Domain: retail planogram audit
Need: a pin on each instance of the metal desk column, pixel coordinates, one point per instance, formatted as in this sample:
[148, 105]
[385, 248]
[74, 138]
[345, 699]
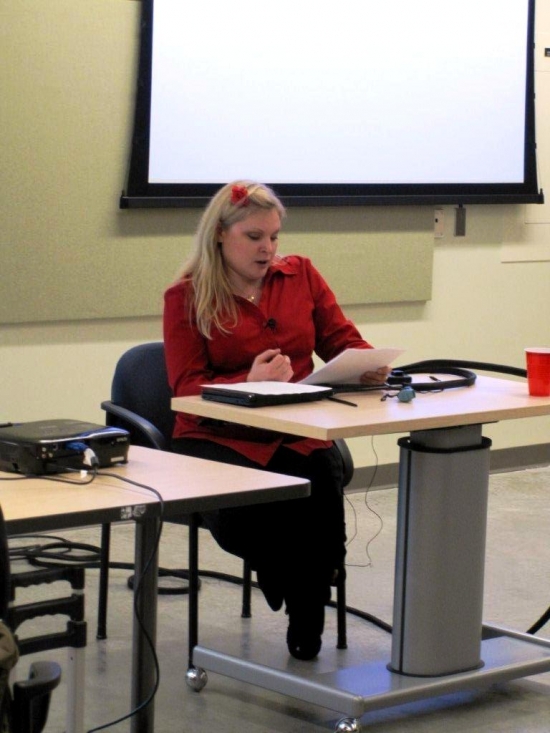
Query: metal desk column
[440, 556]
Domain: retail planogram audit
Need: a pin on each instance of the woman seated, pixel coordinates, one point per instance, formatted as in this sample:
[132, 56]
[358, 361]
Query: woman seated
[240, 312]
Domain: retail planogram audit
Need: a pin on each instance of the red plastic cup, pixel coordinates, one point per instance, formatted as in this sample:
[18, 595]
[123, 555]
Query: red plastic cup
[538, 370]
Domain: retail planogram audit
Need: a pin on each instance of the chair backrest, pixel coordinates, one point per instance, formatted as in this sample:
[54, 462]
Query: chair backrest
[140, 384]
[347, 460]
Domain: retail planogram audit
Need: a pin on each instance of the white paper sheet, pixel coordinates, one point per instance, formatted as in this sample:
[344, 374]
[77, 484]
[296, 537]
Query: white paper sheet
[268, 388]
[348, 366]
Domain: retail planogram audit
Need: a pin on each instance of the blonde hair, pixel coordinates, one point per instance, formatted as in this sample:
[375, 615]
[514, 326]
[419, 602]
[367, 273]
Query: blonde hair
[212, 298]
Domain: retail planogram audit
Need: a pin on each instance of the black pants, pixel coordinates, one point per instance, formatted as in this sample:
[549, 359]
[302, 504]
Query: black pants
[295, 536]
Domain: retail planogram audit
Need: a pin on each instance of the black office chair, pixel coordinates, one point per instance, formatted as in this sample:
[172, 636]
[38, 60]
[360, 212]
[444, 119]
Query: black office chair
[141, 403]
[27, 710]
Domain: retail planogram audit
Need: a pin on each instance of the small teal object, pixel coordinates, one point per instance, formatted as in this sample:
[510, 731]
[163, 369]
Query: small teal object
[406, 394]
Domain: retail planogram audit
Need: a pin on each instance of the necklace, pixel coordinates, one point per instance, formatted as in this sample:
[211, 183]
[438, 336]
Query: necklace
[251, 298]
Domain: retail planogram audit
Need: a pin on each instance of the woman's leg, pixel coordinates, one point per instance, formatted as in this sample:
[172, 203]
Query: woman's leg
[317, 523]
[242, 531]
[316, 547]
[296, 545]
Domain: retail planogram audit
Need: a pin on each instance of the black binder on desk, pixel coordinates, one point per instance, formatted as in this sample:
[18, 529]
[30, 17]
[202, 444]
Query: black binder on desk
[263, 394]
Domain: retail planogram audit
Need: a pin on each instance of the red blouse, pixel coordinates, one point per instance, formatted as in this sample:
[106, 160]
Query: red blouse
[297, 313]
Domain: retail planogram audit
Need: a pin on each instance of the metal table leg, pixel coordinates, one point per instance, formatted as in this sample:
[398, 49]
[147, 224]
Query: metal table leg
[144, 673]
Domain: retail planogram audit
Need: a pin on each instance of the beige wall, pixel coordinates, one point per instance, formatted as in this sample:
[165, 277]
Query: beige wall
[68, 82]
[490, 290]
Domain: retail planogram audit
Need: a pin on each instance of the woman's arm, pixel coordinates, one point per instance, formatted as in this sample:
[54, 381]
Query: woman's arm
[189, 363]
[187, 360]
[336, 333]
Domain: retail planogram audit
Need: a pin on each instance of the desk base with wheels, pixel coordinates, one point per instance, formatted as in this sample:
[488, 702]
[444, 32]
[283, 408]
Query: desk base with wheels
[439, 644]
[372, 686]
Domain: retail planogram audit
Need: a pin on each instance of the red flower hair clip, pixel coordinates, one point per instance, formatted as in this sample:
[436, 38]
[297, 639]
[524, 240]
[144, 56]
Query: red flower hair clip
[239, 195]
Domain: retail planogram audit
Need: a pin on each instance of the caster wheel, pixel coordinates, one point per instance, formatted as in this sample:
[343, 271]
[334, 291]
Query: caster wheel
[196, 678]
[348, 725]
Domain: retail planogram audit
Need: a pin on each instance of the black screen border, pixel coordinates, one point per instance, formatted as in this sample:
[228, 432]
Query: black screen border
[140, 193]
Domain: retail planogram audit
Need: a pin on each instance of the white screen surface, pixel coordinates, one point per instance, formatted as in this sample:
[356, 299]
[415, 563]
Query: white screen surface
[358, 92]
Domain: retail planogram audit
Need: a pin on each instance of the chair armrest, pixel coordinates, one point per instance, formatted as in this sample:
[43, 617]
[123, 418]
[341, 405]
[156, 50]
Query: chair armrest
[31, 697]
[147, 430]
[43, 678]
[346, 459]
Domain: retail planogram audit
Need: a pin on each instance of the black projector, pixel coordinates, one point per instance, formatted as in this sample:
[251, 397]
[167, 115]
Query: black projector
[57, 446]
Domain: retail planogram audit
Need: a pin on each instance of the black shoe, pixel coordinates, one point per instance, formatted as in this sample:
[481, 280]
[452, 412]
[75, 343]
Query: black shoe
[303, 639]
[271, 587]
[306, 619]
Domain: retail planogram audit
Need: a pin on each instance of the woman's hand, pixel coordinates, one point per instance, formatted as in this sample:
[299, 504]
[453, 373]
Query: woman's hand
[377, 377]
[270, 366]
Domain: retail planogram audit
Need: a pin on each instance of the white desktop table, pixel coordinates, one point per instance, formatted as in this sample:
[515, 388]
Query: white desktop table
[439, 642]
[186, 485]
